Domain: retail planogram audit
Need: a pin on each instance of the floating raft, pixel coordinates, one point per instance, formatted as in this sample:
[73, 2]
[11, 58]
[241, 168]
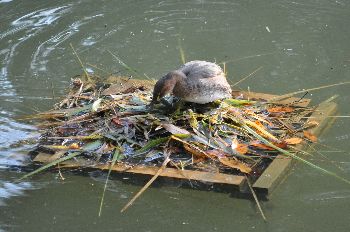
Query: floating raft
[265, 183]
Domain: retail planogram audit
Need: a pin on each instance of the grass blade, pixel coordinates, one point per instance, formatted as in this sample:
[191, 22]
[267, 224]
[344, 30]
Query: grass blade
[288, 95]
[70, 156]
[152, 144]
[81, 63]
[256, 199]
[246, 77]
[116, 156]
[127, 67]
[160, 170]
[182, 52]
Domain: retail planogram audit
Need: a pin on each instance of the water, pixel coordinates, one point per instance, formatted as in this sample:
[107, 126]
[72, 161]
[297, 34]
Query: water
[299, 44]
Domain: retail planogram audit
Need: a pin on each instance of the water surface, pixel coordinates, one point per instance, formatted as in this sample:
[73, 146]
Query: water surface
[299, 44]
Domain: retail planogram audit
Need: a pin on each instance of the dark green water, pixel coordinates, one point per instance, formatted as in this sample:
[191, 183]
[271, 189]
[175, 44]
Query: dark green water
[299, 44]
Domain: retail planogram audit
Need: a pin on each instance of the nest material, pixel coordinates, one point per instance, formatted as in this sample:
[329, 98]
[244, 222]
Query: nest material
[97, 120]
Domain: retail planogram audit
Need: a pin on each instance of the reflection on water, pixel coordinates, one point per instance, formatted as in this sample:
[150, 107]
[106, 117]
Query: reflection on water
[299, 44]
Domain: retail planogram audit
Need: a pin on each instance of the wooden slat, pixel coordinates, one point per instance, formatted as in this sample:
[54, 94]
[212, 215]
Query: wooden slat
[275, 172]
[221, 178]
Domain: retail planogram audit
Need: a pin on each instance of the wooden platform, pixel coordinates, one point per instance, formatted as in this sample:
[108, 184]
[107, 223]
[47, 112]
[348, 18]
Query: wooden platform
[277, 170]
[265, 184]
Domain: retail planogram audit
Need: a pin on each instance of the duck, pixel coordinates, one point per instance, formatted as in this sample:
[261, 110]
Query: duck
[196, 81]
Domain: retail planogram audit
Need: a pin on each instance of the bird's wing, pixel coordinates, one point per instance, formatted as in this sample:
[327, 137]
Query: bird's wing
[200, 69]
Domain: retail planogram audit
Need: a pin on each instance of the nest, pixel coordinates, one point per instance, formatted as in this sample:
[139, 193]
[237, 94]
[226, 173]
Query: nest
[107, 123]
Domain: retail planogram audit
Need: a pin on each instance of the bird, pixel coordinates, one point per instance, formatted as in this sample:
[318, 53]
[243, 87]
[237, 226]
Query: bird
[196, 81]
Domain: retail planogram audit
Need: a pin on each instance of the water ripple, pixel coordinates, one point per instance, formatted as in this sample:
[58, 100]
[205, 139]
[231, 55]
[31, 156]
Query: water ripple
[37, 18]
[39, 58]
[329, 196]
[23, 28]
[12, 131]
[8, 190]
[41, 17]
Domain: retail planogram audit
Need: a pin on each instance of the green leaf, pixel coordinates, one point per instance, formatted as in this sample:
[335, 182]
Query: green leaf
[237, 102]
[193, 120]
[70, 156]
[182, 136]
[93, 146]
[152, 143]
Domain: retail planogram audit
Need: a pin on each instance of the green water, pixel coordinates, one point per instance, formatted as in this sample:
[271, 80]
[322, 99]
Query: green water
[299, 44]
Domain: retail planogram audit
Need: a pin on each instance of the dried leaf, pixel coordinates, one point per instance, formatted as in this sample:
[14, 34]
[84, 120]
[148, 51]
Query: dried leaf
[280, 109]
[231, 162]
[117, 121]
[293, 141]
[242, 149]
[215, 153]
[312, 123]
[282, 144]
[175, 129]
[195, 150]
[261, 146]
[66, 130]
[251, 113]
[236, 164]
[310, 136]
[257, 122]
[74, 146]
[262, 130]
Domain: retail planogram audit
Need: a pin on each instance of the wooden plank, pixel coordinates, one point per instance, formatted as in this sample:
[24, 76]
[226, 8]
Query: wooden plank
[211, 177]
[275, 172]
